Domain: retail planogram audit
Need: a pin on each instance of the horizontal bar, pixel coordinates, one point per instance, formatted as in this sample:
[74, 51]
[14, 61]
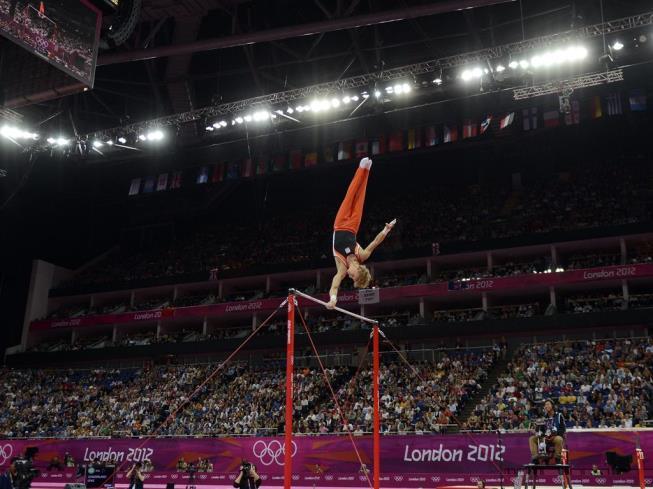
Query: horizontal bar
[339, 309]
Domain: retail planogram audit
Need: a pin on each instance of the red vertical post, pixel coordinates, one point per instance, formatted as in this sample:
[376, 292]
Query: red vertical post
[377, 408]
[290, 367]
[640, 467]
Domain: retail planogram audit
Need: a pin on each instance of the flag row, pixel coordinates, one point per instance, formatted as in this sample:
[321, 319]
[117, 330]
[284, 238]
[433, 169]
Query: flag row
[532, 118]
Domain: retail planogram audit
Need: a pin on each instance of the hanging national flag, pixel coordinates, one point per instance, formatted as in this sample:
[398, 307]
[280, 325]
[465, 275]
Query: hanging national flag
[203, 175]
[414, 138]
[135, 186]
[396, 141]
[449, 133]
[42, 9]
[507, 120]
[360, 150]
[551, 118]
[280, 163]
[344, 150]
[573, 117]
[176, 180]
[233, 170]
[218, 173]
[470, 129]
[261, 165]
[597, 108]
[162, 182]
[485, 124]
[529, 119]
[246, 168]
[296, 159]
[614, 104]
[328, 153]
[148, 186]
[310, 159]
[637, 101]
[432, 137]
[378, 145]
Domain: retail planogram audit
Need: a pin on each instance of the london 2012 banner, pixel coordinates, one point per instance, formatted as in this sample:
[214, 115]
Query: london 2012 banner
[459, 453]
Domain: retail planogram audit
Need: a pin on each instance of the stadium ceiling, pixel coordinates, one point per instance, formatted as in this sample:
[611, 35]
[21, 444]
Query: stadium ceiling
[212, 57]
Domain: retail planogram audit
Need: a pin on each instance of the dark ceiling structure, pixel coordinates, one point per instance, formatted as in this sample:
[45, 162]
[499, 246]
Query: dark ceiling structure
[188, 54]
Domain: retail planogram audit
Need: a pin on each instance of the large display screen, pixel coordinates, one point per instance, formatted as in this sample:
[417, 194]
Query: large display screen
[63, 32]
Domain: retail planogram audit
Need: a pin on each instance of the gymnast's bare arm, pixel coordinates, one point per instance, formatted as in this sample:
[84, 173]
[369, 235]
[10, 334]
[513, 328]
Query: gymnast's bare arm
[341, 273]
[367, 252]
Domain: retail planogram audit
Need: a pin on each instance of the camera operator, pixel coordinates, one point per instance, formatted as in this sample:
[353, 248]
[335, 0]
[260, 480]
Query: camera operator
[553, 431]
[135, 476]
[7, 480]
[248, 478]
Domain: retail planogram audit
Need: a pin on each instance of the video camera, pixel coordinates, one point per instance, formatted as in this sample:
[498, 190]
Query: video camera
[25, 471]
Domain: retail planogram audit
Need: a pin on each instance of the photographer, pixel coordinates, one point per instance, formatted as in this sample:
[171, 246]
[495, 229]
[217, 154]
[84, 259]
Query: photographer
[7, 480]
[248, 478]
[553, 431]
[135, 476]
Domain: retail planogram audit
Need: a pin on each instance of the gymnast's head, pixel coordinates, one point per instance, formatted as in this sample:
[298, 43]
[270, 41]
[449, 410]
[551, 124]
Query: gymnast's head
[360, 274]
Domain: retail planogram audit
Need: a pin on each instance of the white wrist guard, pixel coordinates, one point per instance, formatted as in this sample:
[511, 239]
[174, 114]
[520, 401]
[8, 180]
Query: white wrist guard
[334, 298]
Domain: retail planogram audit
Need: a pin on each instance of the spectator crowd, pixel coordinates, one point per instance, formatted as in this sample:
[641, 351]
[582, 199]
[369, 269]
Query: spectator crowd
[596, 384]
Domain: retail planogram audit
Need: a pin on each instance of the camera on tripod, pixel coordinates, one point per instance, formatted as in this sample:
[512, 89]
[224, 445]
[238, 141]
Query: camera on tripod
[25, 471]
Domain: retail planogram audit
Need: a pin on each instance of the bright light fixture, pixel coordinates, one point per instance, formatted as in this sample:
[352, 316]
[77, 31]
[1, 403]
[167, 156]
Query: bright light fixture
[500, 68]
[618, 46]
[377, 94]
[438, 81]
[513, 65]
[122, 140]
[142, 137]
[335, 103]
[97, 144]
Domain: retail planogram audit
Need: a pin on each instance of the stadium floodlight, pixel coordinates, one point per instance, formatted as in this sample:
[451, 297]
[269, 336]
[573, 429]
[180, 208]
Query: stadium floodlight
[513, 65]
[299, 108]
[261, 115]
[223, 123]
[377, 93]
[109, 142]
[248, 118]
[51, 140]
[438, 81]
[61, 141]
[524, 63]
[142, 137]
[500, 68]
[122, 140]
[239, 120]
[617, 46]
[209, 128]
[346, 100]
[155, 135]
[97, 143]
[335, 103]
[289, 110]
[355, 98]
[14, 133]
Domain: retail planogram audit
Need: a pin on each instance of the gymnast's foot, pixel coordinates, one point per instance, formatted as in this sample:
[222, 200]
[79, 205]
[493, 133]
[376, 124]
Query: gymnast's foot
[366, 163]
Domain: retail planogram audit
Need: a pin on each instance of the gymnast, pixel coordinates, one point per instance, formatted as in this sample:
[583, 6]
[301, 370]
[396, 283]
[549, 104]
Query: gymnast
[348, 254]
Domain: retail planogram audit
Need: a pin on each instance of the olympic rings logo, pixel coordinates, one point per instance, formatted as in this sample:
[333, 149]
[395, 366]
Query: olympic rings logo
[269, 453]
[435, 478]
[5, 453]
[600, 480]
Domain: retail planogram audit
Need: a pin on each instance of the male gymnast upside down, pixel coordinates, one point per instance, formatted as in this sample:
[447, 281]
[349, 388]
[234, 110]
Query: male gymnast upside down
[348, 254]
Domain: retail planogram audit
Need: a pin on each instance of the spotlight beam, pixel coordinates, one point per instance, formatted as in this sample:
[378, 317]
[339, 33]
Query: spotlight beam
[127, 147]
[359, 106]
[288, 117]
